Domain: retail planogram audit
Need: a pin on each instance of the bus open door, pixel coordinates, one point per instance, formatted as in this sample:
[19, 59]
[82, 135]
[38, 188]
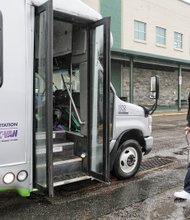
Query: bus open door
[71, 98]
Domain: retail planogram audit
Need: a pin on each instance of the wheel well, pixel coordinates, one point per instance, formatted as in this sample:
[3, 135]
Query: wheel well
[135, 135]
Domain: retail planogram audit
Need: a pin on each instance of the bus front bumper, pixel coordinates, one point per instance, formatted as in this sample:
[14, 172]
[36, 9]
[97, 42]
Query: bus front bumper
[148, 144]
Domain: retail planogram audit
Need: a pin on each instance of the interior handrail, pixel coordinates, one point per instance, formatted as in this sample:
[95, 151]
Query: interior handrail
[72, 101]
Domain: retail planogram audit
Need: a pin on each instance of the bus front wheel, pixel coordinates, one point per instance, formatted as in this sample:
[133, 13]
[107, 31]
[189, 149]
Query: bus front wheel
[128, 159]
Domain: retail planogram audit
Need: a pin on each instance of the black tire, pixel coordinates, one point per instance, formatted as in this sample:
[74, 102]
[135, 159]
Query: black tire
[128, 159]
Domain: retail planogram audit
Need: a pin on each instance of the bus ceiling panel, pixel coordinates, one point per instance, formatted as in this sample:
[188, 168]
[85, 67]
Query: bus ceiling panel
[62, 39]
[75, 8]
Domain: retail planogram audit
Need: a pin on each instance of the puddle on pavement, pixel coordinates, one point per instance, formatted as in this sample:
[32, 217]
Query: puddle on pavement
[160, 207]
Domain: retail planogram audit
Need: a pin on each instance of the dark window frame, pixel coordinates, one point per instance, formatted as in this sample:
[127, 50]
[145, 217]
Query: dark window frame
[1, 49]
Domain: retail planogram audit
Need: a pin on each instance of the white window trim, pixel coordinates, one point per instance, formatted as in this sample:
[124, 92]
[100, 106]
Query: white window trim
[164, 37]
[145, 31]
[178, 48]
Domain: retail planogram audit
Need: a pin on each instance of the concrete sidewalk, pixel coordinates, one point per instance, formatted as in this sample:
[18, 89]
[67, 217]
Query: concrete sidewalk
[169, 112]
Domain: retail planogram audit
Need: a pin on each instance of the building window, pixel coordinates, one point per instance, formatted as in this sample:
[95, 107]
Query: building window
[139, 30]
[178, 40]
[160, 36]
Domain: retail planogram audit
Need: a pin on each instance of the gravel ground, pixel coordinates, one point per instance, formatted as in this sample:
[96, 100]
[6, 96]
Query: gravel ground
[147, 196]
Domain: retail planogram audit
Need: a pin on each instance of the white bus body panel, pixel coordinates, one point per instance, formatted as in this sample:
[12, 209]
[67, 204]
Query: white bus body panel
[128, 117]
[16, 94]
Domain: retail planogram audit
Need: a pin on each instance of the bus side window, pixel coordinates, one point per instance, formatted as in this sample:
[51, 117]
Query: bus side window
[1, 49]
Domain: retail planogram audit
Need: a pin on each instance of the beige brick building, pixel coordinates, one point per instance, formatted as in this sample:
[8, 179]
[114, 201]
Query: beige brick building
[150, 37]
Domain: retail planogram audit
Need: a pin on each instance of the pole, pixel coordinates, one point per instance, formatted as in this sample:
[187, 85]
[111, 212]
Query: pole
[131, 80]
[179, 87]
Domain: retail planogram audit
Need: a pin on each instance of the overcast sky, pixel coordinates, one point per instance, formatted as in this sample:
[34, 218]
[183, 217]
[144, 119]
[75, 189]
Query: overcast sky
[187, 1]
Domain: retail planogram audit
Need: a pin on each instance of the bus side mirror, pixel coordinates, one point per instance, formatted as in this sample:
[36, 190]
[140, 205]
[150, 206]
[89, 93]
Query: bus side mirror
[154, 87]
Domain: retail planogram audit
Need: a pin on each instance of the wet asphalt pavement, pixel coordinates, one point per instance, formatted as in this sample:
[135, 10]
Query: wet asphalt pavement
[149, 195]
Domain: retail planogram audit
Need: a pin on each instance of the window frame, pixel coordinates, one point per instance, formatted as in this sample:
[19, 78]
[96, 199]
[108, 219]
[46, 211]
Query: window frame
[178, 43]
[138, 32]
[1, 49]
[160, 39]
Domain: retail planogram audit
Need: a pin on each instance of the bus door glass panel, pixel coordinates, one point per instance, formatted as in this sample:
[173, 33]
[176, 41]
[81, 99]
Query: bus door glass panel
[41, 96]
[99, 156]
[111, 111]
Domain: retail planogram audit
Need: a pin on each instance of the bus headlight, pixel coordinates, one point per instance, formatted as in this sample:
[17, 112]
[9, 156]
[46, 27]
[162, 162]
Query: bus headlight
[22, 175]
[8, 178]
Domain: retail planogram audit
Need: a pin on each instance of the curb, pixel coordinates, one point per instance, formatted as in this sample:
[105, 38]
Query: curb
[157, 114]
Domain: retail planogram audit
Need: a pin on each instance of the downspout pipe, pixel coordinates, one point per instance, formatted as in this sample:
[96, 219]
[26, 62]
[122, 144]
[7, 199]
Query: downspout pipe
[131, 80]
[179, 87]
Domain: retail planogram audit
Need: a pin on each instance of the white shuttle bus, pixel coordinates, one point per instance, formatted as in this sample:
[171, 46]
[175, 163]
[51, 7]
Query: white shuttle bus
[60, 118]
